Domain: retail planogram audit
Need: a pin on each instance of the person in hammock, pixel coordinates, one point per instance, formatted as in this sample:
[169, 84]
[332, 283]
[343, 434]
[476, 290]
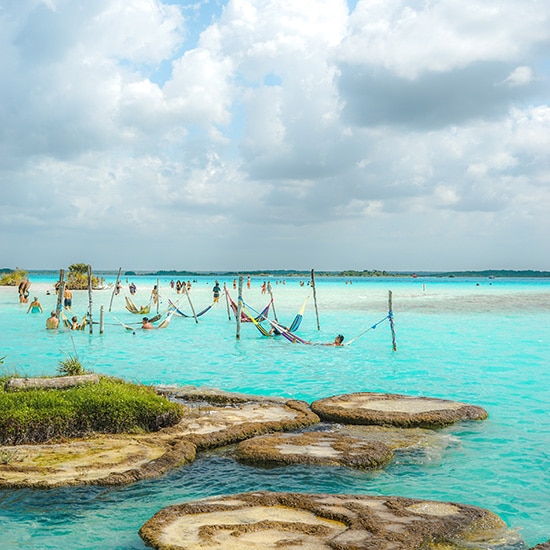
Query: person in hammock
[146, 324]
[74, 323]
[338, 341]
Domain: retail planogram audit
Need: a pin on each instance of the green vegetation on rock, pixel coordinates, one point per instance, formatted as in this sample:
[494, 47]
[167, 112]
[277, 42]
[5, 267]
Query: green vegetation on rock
[112, 406]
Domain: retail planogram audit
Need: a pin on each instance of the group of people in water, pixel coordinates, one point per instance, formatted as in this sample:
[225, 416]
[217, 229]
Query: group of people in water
[53, 321]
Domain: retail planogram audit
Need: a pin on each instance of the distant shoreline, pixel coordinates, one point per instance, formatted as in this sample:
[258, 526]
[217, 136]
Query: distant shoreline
[488, 273]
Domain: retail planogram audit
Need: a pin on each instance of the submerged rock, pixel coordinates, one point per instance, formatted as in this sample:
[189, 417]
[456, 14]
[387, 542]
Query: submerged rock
[314, 448]
[267, 520]
[395, 410]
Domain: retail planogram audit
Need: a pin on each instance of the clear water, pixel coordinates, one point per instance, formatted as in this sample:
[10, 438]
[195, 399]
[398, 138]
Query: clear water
[486, 342]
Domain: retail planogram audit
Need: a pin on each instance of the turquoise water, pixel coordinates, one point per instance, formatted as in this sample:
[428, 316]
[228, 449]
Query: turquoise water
[480, 341]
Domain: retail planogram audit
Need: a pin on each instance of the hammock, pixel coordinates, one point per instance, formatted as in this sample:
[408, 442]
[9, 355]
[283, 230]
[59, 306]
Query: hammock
[246, 318]
[276, 327]
[132, 308]
[254, 320]
[180, 313]
[295, 325]
[287, 333]
[166, 322]
[154, 319]
[275, 330]
[127, 327]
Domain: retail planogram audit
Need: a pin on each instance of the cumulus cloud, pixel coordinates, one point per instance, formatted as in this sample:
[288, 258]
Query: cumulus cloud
[401, 134]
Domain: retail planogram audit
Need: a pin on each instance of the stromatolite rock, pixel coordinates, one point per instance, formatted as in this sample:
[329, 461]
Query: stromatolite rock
[120, 459]
[314, 448]
[265, 521]
[395, 410]
[216, 425]
[100, 460]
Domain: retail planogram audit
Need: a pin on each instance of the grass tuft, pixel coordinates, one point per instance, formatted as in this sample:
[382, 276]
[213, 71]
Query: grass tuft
[71, 366]
[112, 406]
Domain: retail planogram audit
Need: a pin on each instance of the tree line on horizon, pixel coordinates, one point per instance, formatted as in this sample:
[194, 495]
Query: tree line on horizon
[77, 274]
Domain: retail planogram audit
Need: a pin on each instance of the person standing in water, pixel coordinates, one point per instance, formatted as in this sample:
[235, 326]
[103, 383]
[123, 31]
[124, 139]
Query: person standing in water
[34, 306]
[216, 290]
[67, 298]
[52, 322]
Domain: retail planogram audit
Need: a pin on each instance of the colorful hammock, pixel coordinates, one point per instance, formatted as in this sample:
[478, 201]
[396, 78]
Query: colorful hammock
[132, 308]
[276, 327]
[246, 318]
[295, 325]
[180, 313]
[287, 333]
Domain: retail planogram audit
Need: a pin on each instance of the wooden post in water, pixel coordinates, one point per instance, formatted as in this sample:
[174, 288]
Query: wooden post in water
[272, 302]
[227, 301]
[190, 303]
[315, 298]
[390, 317]
[114, 289]
[239, 306]
[90, 317]
[101, 319]
[158, 295]
[60, 292]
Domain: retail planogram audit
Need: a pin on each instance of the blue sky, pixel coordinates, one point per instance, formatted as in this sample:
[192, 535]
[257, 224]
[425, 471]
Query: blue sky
[275, 134]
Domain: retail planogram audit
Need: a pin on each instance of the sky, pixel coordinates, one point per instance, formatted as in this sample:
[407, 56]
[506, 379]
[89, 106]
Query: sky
[275, 134]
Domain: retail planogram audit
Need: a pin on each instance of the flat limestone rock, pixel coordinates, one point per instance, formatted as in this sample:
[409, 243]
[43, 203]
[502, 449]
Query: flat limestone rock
[314, 448]
[395, 410]
[293, 521]
[99, 460]
[119, 459]
[212, 426]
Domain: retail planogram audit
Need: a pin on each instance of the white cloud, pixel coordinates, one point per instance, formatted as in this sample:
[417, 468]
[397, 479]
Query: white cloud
[285, 126]
[520, 76]
[410, 38]
[200, 90]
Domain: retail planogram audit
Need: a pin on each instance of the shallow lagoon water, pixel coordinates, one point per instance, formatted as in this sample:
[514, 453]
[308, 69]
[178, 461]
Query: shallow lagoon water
[486, 342]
